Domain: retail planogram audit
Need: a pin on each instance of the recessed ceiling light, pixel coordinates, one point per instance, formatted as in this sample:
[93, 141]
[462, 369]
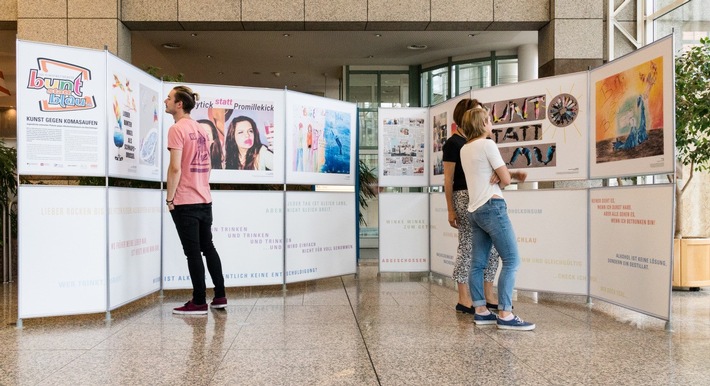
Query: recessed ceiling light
[471, 35]
[417, 47]
[209, 56]
[370, 56]
[171, 46]
[193, 34]
[290, 56]
[220, 73]
[286, 35]
[378, 35]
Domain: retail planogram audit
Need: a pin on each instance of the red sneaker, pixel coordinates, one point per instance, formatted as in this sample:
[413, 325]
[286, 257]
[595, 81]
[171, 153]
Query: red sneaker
[191, 308]
[219, 303]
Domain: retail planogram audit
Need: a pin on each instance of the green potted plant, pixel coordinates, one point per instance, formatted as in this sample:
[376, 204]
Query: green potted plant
[692, 87]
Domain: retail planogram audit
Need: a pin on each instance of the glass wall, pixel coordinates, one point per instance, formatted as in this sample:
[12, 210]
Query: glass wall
[487, 72]
[370, 90]
[691, 22]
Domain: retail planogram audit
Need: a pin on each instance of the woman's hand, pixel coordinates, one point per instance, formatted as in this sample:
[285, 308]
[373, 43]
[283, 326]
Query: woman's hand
[452, 220]
[494, 179]
[521, 176]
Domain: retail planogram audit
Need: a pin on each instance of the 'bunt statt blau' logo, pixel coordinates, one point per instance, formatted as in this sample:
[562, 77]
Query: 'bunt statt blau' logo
[64, 83]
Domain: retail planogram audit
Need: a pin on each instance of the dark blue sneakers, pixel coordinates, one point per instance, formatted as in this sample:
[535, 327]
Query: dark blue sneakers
[515, 324]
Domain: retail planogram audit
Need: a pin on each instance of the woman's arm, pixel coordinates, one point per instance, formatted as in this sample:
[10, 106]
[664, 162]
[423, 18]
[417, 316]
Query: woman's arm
[449, 168]
[506, 176]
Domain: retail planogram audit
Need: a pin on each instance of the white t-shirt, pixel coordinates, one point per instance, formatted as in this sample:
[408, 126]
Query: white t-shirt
[479, 159]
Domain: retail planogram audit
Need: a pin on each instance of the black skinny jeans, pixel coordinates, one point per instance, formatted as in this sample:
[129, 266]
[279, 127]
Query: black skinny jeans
[194, 227]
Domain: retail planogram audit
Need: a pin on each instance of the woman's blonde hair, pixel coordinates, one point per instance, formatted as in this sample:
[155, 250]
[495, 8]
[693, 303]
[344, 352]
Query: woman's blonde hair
[473, 124]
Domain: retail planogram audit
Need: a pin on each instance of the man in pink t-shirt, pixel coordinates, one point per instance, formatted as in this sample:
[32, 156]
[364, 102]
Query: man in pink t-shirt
[189, 200]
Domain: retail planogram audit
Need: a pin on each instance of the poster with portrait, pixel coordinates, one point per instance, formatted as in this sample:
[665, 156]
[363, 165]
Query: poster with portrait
[62, 250]
[540, 126]
[551, 231]
[631, 247]
[247, 231]
[320, 235]
[134, 242]
[404, 232]
[402, 135]
[244, 132]
[441, 127]
[444, 238]
[320, 143]
[133, 118]
[632, 124]
[61, 124]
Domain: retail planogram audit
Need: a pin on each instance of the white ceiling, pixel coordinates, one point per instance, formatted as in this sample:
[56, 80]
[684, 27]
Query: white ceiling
[250, 58]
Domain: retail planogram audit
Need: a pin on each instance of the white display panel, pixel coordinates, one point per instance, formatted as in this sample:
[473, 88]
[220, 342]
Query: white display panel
[320, 144]
[540, 126]
[633, 121]
[135, 107]
[61, 110]
[551, 229]
[240, 152]
[62, 247]
[402, 135]
[631, 239]
[441, 127]
[320, 235]
[444, 237]
[247, 231]
[134, 244]
[404, 232]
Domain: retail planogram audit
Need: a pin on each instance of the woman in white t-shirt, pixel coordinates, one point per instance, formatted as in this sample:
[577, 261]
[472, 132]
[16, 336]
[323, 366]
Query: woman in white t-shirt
[486, 175]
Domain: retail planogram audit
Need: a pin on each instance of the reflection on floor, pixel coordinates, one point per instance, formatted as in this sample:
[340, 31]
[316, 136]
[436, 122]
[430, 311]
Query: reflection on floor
[369, 329]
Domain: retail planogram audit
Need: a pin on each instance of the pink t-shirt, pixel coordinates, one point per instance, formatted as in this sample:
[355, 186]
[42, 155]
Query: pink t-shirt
[193, 187]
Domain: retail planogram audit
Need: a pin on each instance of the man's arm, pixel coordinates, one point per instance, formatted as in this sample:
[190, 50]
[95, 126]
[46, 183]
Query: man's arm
[174, 172]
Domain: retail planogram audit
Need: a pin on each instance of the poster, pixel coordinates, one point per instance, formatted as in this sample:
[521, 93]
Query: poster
[441, 127]
[403, 147]
[632, 123]
[133, 122]
[244, 128]
[320, 235]
[404, 232]
[631, 247]
[540, 126]
[444, 237]
[551, 230]
[134, 242]
[60, 110]
[247, 232]
[321, 134]
[62, 250]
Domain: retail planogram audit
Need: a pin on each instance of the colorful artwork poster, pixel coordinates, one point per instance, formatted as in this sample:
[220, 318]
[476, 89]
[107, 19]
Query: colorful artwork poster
[441, 127]
[403, 143]
[245, 129]
[60, 110]
[633, 122]
[133, 122]
[629, 113]
[540, 126]
[321, 140]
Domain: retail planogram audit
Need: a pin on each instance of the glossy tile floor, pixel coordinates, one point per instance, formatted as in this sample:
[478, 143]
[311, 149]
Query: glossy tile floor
[391, 329]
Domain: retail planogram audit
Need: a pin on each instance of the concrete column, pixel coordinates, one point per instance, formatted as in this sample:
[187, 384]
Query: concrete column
[80, 23]
[573, 40]
[527, 62]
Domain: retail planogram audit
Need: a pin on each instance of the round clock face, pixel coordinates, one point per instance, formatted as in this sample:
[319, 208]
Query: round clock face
[563, 110]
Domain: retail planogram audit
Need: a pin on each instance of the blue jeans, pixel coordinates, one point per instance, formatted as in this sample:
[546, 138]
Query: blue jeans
[194, 227]
[490, 225]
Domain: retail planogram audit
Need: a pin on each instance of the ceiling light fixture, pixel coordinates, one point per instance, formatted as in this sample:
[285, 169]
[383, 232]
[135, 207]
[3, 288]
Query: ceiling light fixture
[471, 35]
[417, 47]
[209, 56]
[193, 34]
[290, 56]
[286, 35]
[172, 46]
[378, 35]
